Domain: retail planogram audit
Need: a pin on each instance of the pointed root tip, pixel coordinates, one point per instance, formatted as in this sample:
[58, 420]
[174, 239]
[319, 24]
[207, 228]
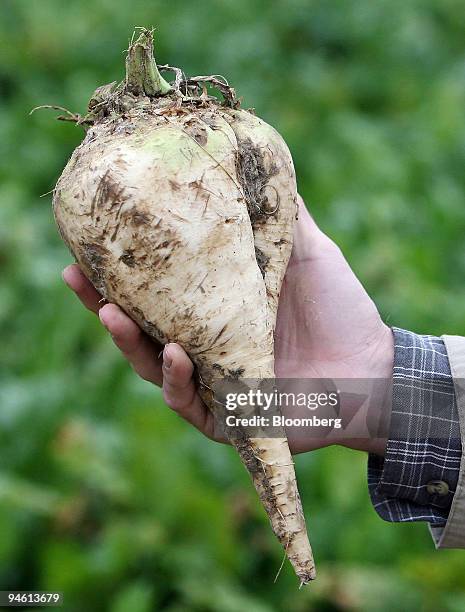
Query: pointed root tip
[306, 577]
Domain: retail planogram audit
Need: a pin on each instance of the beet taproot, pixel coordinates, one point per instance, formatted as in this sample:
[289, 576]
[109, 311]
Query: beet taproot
[180, 209]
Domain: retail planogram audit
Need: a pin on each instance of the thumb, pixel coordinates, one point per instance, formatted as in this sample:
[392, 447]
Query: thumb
[309, 240]
[179, 389]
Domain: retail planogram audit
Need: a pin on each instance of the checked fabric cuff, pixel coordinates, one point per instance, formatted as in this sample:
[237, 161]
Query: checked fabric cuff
[416, 479]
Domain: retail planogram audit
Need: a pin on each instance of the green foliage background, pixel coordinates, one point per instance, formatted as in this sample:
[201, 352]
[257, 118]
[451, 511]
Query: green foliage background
[104, 493]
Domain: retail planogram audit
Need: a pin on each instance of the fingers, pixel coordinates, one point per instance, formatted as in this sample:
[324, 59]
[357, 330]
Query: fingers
[82, 287]
[138, 349]
[174, 373]
[180, 392]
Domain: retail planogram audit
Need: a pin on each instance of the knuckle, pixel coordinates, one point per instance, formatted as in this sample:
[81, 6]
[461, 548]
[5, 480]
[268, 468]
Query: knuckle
[117, 342]
[128, 345]
[175, 401]
[176, 381]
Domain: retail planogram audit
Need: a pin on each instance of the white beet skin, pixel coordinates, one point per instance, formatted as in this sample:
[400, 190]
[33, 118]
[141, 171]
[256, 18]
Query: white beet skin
[180, 210]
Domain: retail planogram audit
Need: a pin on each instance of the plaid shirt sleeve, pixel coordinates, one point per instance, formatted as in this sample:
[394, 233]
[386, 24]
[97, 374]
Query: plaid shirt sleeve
[416, 479]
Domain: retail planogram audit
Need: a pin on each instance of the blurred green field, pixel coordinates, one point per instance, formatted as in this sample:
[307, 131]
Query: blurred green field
[104, 493]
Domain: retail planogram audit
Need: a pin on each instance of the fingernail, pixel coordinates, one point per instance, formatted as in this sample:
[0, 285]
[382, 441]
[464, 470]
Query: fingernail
[101, 316]
[167, 358]
[64, 278]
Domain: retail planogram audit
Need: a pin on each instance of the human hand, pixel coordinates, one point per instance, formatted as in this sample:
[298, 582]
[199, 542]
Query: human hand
[327, 327]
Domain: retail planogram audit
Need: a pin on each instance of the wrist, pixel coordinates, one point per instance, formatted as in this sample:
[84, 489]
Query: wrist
[369, 430]
[383, 360]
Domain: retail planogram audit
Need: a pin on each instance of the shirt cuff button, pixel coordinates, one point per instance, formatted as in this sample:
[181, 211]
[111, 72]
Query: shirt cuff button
[437, 487]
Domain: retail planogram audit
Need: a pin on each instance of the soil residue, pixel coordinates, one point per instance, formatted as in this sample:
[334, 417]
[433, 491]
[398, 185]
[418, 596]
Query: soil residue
[253, 177]
[262, 260]
[196, 130]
